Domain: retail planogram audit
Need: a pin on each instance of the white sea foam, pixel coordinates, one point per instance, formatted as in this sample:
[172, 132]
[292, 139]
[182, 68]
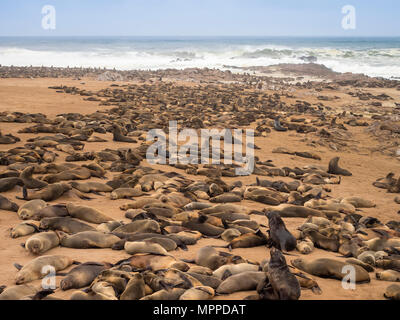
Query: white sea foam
[373, 60]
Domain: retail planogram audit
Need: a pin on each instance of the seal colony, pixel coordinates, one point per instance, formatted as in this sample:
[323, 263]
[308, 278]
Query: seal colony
[77, 192]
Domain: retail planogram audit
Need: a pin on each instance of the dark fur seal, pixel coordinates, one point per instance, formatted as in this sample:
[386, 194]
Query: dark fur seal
[29, 181]
[65, 224]
[280, 283]
[335, 169]
[8, 205]
[48, 193]
[280, 236]
[83, 275]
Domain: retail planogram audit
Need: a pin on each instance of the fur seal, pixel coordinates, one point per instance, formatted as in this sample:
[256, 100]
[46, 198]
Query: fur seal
[135, 289]
[280, 236]
[83, 275]
[17, 292]
[39, 243]
[88, 239]
[7, 184]
[48, 193]
[124, 193]
[284, 284]
[198, 293]
[322, 241]
[243, 281]
[393, 292]
[329, 268]
[8, 205]
[65, 224]
[210, 258]
[52, 211]
[87, 214]
[23, 229]
[335, 169]
[139, 226]
[388, 275]
[228, 270]
[292, 211]
[29, 181]
[172, 294]
[33, 269]
[278, 126]
[91, 187]
[144, 247]
[29, 209]
[118, 136]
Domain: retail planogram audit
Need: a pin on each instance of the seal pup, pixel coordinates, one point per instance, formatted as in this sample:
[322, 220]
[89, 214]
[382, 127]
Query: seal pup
[118, 136]
[388, 275]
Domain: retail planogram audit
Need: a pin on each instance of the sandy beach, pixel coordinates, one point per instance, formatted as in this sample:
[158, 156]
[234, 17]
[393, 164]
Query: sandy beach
[364, 134]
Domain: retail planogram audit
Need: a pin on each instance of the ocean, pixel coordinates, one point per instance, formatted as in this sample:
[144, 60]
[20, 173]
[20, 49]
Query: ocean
[371, 56]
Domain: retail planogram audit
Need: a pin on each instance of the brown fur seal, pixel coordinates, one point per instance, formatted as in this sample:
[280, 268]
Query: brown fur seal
[65, 224]
[172, 294]
[87, 214]
[243, 281]
[83, 275]
[118, 136]
[228, 270]
[29, 181]
[393, 292]
[88, 239]
[48, 193]
[150, 262]
[135, 289]
[280, 236]
[139, 226]
[41, 242]
[17, 292]
[33, 269]
[91, 187]
[73, 174]
[329, 268]
[388, 275]
[144, 247]
[292, 211]
[124, 193]
[198, 293]
[24, 229]
[8, 205]
[7, 184]
[335, 169]
[284, 284]
[209, 257]
[29, 209]
[205, 228]
[322, 241]
[52, 211]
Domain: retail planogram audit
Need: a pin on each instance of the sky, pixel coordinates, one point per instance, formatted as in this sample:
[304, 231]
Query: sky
[200, 18]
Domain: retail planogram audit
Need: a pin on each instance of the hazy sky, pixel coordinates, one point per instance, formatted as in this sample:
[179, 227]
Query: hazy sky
[199, 17]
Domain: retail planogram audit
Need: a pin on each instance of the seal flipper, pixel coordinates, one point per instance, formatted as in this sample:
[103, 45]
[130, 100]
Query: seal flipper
[18, 266]
[226, 275]
[42, 294]
[316, 289]
[2, 288]
[188, 260]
